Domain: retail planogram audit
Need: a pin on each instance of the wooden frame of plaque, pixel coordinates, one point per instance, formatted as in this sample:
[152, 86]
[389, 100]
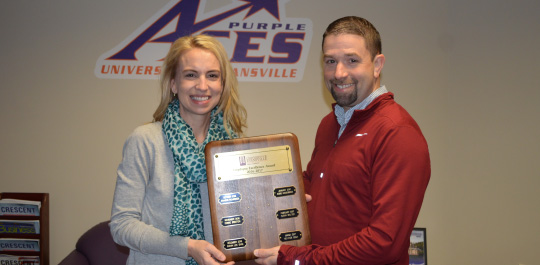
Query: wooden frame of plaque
[257, 197]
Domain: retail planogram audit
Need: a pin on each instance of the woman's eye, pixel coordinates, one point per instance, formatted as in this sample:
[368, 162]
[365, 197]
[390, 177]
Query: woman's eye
[213, 76]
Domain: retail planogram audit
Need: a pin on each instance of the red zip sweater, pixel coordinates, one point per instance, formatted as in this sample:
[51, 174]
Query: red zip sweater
[367, 188]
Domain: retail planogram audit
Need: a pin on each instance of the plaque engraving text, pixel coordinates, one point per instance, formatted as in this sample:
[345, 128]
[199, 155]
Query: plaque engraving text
[253, 163]
[230, 198]
[287, 213]
[284, 191]
[232, 220]
[235, 243]
[290, 236]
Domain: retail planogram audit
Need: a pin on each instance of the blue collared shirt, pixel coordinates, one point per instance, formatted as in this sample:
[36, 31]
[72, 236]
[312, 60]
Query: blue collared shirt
[343, 117]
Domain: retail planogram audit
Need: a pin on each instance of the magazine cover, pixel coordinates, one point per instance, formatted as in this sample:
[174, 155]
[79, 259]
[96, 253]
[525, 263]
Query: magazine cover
[17, 244]
[19, 260]
[417, 248]
[14, 207]
[19, 227]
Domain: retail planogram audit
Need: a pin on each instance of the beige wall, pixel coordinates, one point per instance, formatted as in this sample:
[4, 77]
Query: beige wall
[466, 70]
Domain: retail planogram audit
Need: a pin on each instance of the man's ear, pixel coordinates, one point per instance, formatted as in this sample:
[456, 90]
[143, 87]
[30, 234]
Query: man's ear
[378, 63]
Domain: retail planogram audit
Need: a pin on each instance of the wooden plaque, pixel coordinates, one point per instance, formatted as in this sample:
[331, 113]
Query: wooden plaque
[257, 197]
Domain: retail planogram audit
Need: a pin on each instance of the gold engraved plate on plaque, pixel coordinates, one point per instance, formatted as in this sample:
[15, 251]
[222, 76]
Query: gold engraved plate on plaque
[253, 163]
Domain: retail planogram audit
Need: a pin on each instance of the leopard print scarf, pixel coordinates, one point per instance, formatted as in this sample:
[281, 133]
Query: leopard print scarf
[189, 169]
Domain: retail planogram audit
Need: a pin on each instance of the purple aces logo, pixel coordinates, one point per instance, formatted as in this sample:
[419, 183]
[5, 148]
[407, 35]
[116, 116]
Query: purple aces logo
[263, 45]
[242, 160]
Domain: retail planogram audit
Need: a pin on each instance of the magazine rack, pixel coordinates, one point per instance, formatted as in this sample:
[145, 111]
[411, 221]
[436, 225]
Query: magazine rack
[43, 219]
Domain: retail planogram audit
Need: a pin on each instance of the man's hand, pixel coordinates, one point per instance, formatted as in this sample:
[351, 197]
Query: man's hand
[205, 253]
[267, 256]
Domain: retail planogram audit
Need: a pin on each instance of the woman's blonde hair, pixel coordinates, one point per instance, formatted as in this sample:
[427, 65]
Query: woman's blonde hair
[234, 113]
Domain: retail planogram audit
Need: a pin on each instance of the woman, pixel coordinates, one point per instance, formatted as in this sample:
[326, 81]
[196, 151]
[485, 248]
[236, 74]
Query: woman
[161, 208]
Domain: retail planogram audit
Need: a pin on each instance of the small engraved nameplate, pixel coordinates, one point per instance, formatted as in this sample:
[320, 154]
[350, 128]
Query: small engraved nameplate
[284, 191]
[230, 198]
[232, 220]
[287, 213]
[290, 236]
[235, 243]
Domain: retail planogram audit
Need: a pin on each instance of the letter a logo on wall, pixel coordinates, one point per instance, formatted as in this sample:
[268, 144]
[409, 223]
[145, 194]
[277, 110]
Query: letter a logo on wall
[262, 44]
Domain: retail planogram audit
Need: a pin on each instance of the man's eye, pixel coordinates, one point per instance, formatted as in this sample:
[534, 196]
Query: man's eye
[330, 61]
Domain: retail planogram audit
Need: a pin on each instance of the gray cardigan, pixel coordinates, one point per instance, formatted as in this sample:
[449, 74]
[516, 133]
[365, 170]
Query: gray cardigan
[143, 200]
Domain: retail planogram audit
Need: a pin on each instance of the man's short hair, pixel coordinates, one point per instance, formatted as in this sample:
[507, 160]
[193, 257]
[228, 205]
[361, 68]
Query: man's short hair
[357, 26]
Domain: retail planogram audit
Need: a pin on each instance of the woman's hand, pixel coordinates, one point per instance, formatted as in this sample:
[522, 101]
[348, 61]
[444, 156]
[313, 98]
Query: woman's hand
[205, 253]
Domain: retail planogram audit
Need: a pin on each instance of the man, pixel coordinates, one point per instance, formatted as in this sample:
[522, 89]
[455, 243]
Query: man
[370, 167]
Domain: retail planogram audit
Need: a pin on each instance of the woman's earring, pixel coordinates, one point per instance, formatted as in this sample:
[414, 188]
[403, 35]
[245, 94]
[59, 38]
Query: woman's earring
[174, 94]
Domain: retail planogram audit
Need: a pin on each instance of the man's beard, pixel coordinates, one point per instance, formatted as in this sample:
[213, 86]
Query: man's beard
[344, 100]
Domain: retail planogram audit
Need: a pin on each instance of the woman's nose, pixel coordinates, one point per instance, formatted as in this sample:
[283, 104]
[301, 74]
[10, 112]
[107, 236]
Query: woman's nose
[202, 84]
